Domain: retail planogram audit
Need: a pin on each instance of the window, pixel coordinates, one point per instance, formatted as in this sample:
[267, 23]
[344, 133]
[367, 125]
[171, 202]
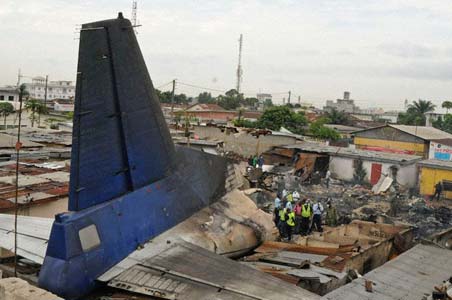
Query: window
[89, 237]
[2, 97]
[10, 98]
[64, 90]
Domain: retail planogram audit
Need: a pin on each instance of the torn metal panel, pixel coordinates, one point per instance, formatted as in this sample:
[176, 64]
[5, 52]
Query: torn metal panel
[411, 275]
[207, 276]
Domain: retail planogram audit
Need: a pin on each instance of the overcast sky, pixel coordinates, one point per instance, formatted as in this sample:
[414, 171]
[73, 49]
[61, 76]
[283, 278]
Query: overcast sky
[381, 51]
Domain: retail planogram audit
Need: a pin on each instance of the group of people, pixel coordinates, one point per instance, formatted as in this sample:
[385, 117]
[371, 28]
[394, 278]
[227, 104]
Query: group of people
[293, 215]
[256, 161]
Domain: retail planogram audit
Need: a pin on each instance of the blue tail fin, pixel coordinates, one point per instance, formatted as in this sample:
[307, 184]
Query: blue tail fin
[120, 139]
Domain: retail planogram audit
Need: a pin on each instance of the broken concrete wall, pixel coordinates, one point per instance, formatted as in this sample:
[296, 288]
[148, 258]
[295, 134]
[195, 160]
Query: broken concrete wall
[343, 168]
[243, 143]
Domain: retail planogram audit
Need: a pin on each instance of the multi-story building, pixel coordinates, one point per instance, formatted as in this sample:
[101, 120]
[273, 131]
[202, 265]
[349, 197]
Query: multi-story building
[10, 94]
[346, 105]
[61, 89]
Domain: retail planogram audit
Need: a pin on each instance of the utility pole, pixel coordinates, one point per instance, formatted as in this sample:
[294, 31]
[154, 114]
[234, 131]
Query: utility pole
[45, 92]
[172, 98]
[299, 99]
[288, 99]
[239, 67]
[134, 16]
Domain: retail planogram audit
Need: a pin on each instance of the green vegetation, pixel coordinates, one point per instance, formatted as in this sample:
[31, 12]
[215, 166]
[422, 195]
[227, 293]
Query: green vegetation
[37, 108]
[415, 113]
[444, 123]
[359, 173]
[319, 130]
[6, 109]
[337, 117]
[165, 97]
[206, 97]
[282, 116]
[447, 105]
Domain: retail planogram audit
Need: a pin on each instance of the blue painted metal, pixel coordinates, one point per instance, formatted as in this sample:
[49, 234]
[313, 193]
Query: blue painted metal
[127, 178]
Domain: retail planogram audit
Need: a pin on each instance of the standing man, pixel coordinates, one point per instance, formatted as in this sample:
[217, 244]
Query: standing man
[297, 211]
[331, 214]
[260, 161]
[290, 223]
[438, 190]
[317, 209]
[282, 222]
[306, 213]
[255, 161]
[276, 210]
[327, 179]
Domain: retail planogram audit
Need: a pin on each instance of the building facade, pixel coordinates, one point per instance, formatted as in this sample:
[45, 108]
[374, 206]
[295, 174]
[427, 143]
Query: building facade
[346, 105]
[10, 94]
[62, 89]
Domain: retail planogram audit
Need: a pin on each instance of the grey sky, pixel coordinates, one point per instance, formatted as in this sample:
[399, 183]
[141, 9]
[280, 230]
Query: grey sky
[382, 51]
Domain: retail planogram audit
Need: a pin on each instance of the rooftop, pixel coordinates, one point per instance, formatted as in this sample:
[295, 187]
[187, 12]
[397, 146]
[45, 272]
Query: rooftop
[423, 132]
[206, 107]
[355, 153]
[437, 164]
[411, 275]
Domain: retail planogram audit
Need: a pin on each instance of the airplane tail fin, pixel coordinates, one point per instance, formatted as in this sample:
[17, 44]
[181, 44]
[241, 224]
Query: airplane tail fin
[120, 140]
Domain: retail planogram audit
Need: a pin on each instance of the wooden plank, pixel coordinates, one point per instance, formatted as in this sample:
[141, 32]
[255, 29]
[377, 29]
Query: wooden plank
[271, 247]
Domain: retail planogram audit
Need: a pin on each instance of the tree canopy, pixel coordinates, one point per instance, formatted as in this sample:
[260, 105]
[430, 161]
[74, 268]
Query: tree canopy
[206, 97]
[337, 117]
[319, 130]
[282, 116]
[415, 114]
[165, 97]
[447, 105]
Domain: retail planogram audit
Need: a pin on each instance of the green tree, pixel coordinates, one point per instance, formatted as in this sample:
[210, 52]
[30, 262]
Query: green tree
[37, 108]
[6, 109]
[415, 114]
[444, 123]
[281, 116]
[250, 102]
[447, 105]
[206, 97]
[319, 130]
[338, 117]
[268, 103]
[230, 100]
[359, 172]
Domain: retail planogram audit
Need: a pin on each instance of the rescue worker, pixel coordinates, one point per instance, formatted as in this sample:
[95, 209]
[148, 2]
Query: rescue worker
[296, 196]
[276, 209]
[297, 211]
[331, 214]
[254, 161]
[317, 210]
[327, 179]
[306, 213]
[282, 222]
[290, 223]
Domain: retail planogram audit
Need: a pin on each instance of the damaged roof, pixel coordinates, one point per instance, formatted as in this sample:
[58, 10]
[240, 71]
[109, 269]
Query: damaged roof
[355, 153]
[411, 275]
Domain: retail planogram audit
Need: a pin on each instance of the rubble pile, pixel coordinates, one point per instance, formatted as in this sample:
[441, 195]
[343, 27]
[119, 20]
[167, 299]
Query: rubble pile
[394, 206]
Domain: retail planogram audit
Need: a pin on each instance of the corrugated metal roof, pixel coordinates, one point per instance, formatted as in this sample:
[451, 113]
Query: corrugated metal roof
[356, 153]
[423, 132]
[436, 164]
[410, 276]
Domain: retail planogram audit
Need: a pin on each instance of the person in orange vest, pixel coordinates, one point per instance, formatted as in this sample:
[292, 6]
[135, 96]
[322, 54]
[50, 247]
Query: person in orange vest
[306, 213]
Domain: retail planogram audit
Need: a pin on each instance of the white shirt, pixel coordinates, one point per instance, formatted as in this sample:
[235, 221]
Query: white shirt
[317, 208]
[328, 174]
[296, 195]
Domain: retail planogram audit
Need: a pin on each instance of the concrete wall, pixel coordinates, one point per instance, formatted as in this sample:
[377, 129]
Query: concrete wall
[242, 143]
[342, 168]
[429, 177]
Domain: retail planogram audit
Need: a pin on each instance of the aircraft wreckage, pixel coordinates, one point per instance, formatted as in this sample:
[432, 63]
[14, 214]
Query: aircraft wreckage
[129, 185]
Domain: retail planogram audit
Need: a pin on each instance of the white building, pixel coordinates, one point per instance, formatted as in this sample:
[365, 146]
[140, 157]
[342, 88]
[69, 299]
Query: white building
[262, 98]
[62, 89]
[10, 94]
[346, 105]
[431, 117]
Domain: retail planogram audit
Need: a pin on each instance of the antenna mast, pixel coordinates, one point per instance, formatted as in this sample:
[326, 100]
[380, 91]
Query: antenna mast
[239, 67]
[134, 16]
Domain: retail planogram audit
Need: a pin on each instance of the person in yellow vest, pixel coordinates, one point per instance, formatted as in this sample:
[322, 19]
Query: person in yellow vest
[282, 222]
[290, 223]
[306, 213]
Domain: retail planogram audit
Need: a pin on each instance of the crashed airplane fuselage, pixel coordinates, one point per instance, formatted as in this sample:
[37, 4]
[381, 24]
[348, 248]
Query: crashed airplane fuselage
[128, 181]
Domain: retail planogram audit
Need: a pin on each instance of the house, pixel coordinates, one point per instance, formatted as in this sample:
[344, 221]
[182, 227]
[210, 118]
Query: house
[342, 163]
[403, 139]
[213, 113]
[205, 107]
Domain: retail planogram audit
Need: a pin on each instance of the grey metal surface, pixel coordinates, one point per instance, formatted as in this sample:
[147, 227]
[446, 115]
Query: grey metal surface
[408, 277]
[32, 237]
[200, 274]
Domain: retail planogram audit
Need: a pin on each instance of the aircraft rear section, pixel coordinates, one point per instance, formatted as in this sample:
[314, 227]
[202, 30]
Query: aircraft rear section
[128, 182]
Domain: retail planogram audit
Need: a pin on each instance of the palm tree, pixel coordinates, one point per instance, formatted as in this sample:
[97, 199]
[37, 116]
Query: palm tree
[36, 107]
[421, 107]
[447, 105]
